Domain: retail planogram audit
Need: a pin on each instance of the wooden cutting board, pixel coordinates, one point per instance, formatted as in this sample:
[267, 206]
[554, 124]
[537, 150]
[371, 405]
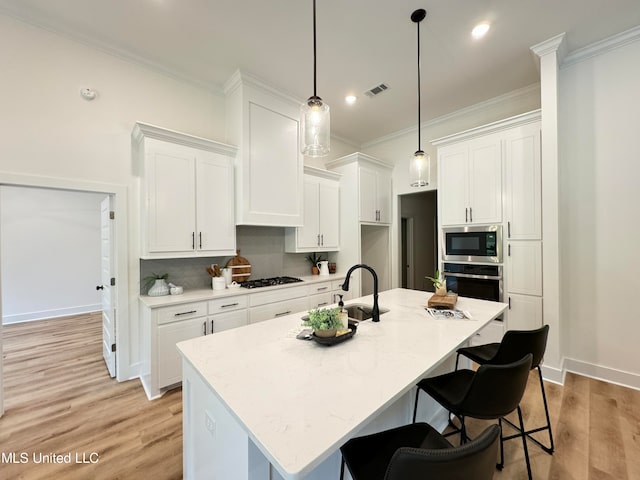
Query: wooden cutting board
[447, 301]
[240, 268]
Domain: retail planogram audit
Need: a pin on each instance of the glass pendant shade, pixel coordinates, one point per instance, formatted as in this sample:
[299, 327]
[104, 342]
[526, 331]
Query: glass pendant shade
[420, 168]
[315, 127]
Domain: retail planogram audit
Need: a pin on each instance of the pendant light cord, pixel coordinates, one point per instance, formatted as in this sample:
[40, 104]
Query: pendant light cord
[419, 99]
[314, 48]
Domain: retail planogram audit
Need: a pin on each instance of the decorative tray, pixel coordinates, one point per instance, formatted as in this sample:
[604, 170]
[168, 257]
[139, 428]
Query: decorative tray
[328, 341]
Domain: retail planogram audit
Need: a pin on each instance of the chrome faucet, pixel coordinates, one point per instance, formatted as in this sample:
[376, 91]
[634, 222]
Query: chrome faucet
[375, 313]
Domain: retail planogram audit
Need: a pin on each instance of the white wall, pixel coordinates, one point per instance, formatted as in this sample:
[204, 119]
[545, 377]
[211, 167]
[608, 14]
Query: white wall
[599, 187]
[50, 253]
[48, 130]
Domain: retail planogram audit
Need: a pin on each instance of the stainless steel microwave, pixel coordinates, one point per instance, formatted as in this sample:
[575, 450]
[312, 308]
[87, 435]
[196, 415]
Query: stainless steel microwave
[480, 244]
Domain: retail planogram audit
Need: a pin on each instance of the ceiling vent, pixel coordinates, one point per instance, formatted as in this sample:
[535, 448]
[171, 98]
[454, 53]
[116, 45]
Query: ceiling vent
[377, 90]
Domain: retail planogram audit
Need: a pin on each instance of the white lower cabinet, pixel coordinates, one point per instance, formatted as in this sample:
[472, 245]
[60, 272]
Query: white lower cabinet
[168, 357]
[277, 309]
[525, 312]
[492, 333]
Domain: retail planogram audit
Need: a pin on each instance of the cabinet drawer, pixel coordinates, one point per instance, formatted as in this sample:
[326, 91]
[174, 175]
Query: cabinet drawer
[227, 304]
[184, 311]
[320, 300]
[227, 321]
[337, 284]
[319, 288]
[274, 310]
[278, 295]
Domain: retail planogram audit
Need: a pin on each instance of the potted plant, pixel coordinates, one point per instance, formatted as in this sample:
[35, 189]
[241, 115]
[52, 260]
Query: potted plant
[314, 259]
[439, 283]
[324, 321]
[156, 284]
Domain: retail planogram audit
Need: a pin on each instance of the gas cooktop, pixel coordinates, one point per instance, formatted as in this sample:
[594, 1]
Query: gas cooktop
[269, 282]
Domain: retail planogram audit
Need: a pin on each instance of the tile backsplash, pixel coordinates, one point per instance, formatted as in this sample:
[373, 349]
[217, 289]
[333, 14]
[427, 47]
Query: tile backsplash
[262, 246]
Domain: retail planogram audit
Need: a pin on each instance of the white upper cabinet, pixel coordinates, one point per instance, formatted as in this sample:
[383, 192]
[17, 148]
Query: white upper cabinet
[269, 167]
[186, 194]
[523, 202]
[470, 180]
[375, 194]
[321, 229]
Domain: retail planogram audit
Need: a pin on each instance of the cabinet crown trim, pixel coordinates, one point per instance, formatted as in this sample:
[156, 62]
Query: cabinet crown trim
[322, 173]
[146, 130]
[515, 121]
[240, 78]
[358, 157]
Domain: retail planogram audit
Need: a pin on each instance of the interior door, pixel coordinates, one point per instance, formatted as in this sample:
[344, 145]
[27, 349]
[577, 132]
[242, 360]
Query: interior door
[108, 292]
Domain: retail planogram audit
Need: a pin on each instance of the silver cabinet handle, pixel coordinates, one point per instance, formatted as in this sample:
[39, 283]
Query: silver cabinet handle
[509, 303]
[466, 214]
[185, 313]
[470, 215]
[508, 229]
[235, 304]
[200, 237]
[193, 240]
[211, 326]
[283, 313]
[322, 239]
[509, 250]
[204, 327]
[319, 289]
[318, 241]
[323, 304]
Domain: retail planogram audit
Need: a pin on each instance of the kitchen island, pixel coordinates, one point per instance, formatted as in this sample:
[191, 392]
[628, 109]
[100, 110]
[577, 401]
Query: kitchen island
[260, 404]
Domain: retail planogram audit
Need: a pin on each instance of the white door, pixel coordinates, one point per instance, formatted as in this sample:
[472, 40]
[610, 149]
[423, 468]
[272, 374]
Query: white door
[108, 293]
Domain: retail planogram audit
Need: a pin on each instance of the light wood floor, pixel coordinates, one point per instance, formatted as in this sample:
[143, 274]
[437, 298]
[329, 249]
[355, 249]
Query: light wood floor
[59, 398]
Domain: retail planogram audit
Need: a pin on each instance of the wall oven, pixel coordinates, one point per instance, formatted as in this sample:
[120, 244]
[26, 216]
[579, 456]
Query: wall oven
[482, 244]
[475, 281]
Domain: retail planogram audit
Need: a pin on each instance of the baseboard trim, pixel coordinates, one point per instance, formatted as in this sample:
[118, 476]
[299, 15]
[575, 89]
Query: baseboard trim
[606, 374]
[45, 314]
[553, 374]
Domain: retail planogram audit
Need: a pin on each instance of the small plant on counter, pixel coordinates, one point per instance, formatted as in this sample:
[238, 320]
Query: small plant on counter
[324, 319]
[439, 283]
[151, 279]
[314, 259]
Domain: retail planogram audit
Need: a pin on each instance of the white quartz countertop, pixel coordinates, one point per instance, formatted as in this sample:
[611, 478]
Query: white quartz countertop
[197, 295]
[299, 401]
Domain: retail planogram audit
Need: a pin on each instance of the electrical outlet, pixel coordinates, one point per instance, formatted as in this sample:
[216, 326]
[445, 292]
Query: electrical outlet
[210, 423]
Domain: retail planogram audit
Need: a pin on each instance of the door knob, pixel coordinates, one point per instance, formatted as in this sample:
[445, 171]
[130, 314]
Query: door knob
[100, 287]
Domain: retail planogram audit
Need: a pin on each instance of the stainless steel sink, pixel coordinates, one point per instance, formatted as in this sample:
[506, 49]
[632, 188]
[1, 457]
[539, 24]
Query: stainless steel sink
[362, 311]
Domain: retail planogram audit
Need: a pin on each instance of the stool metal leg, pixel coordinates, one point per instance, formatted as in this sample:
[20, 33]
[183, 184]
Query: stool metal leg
[500, 465]
[415, 406]
[524, 443]
[342, 469]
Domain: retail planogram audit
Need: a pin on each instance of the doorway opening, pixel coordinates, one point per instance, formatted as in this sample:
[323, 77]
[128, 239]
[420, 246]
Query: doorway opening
[37, 278]
[419, 239]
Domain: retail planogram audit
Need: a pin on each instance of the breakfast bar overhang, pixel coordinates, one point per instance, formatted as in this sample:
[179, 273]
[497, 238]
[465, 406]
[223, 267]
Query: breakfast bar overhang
[260, 404]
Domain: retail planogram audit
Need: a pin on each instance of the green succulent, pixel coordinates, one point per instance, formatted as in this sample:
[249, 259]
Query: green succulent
[438, 281]
[150, 280]
[314, 259]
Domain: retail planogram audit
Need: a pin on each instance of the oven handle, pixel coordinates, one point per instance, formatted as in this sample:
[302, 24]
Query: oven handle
[467, 275]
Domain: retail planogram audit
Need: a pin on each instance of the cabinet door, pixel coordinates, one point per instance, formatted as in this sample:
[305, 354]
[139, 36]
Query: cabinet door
[524, 267]
[216, 229]
[485, 181]
[273, 170]
[320, 300]
[227, 321]
[523, 202]
[491, 333]
[452, 181]
[329, 206]
[383, 189]
[309, 234]
[168, 358]
[367, 184]
[525, 312]
[170, 199]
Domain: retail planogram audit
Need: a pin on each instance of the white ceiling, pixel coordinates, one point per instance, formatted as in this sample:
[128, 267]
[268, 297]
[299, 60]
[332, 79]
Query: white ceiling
[361, 43]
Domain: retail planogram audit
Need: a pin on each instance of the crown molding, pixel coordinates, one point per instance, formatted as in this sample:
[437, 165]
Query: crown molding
[515, 121]
[242, 78]
[356, 157]
[145, 130]
[507, 97]
[616, 41]
[321, 172]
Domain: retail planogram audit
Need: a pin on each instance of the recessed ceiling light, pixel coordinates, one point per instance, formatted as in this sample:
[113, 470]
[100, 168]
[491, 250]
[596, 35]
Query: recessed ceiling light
[480, 30]
[350, 99]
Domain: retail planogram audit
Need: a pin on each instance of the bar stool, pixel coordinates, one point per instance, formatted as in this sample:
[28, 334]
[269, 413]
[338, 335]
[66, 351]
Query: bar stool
[491, 392]
[514, 345]
[416, 452]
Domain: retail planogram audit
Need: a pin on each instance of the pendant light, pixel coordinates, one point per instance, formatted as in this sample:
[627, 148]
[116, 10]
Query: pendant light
[420, 165]
[314, 115]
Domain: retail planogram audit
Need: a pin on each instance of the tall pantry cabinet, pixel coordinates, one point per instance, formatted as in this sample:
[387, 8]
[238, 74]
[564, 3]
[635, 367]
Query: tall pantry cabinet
[491, 175]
